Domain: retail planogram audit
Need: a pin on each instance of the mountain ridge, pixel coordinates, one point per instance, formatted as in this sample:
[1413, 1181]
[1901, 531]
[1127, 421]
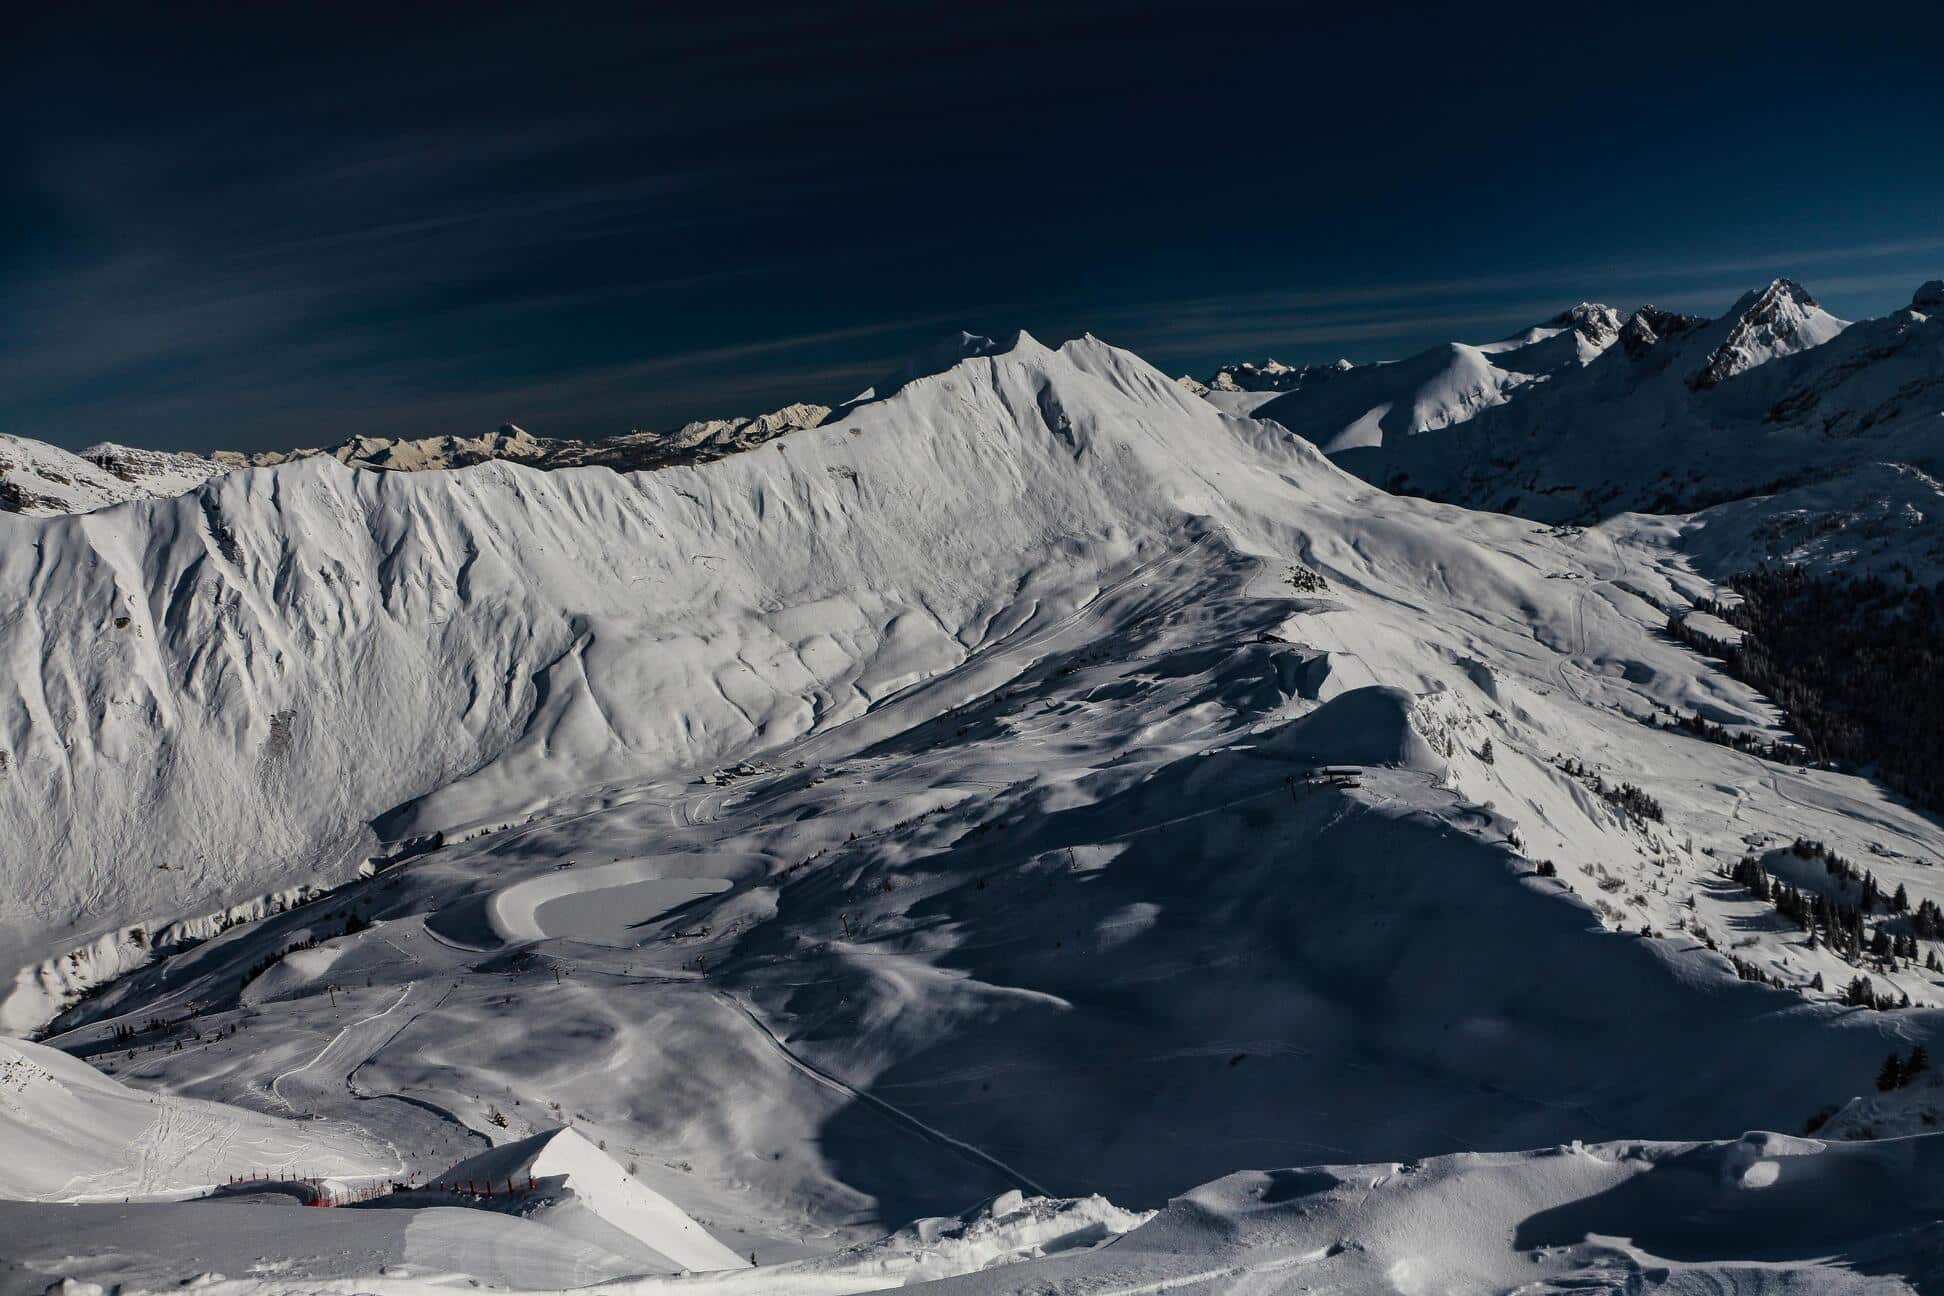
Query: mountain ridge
[1016, 784]
[1682, 413]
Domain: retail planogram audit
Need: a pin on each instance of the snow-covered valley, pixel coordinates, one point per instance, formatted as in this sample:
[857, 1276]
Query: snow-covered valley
[1037, 802]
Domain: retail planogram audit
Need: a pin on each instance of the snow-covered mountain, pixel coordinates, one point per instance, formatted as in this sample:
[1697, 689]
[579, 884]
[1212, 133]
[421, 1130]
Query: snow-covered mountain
[1273, 376]
[1027, 783]
[1780, 320]
[40, 480]
[696, 442]
[1683, 412]
[1374, 405]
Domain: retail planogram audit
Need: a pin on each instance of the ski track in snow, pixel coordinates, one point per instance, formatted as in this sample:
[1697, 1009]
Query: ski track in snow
[345, 1043]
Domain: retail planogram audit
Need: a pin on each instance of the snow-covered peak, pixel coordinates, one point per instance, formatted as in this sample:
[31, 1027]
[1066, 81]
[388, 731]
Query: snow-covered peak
[1587, 414]
[1592, 325]
[1372, 405]
[940, 357]
[1778, 320]
[38, 479]
[731, 434]
[1595, 323]
[1272, 375]
[41, 480]
[1573, 338]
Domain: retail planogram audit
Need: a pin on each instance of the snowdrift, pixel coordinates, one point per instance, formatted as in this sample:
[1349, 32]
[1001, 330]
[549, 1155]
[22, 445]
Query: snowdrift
[1765, 1212]
[1366, 726]
[577, 1176]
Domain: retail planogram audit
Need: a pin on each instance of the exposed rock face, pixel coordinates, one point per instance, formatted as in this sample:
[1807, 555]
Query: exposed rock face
[40, 480]
[1777, 321]
[1597, 324]
[1651, 325]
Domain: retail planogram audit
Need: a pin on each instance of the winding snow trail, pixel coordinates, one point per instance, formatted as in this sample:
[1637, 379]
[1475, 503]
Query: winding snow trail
[347, 1051]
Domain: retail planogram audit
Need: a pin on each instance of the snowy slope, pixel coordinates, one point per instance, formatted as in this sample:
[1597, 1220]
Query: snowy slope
[1779, 320]
[1368, 406]
[1874, 520]
[1763, 1213]
[183, 660]
[39, 479]
[696, 442]
[1661, 413]
[579, 1176]
[68, 1133]
[934, 804]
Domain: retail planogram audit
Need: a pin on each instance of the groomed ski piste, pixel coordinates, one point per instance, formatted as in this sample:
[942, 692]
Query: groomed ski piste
[1033, 832]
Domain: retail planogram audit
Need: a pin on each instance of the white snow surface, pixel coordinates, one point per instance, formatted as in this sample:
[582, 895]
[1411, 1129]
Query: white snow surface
[1586, 416]
[1764, 1213]
[1034, 787]
[38, 479]
[69, 1133]
[563, 1162]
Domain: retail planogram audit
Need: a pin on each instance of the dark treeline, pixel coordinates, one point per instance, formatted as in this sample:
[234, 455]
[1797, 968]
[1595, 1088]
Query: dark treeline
[1854, 665]
[1840, 926]
[1697, 726]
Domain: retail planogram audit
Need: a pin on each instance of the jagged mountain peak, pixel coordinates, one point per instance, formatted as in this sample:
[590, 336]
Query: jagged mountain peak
[1665, 424]
[1575, 336]
[1650, 325]
[38, 479]
[1778, 320]
[1595, 319]
[1596, 323]
[742, 432]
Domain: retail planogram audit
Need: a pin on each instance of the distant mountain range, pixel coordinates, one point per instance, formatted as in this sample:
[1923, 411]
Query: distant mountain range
[40, 480]
[1590, 414]
[1582, 416]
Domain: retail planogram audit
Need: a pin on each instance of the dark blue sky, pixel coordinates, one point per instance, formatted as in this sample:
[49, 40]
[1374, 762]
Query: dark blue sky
[279, 225]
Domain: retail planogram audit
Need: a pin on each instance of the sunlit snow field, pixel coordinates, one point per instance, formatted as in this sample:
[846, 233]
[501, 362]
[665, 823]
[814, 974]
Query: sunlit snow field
[1038, 805]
